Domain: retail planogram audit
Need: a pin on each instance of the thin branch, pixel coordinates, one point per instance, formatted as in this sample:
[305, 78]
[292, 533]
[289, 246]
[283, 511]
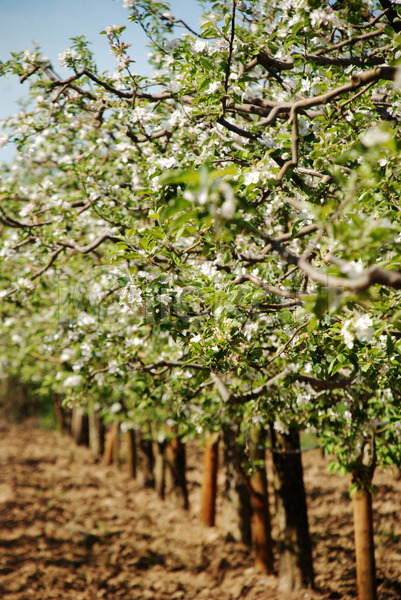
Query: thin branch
[223, 390]
[172, 363]
[229, 59]
[371, 276]
[261, 390]
[53, 257]
[11, 222]
[89, 247]
[326, 384]
[265, 286]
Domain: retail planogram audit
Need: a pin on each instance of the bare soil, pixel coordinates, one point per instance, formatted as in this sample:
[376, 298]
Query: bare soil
[71, 528]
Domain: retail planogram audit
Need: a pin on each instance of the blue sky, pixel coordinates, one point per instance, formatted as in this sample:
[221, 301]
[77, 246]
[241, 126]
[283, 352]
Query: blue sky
[51, 23]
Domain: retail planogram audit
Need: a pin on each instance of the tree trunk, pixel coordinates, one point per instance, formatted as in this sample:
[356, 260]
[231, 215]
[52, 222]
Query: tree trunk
[80, 426]
[96, 434]
[209, 481]
[159, 468]
[295, 553]
[116, 445]
[60, 415]
[131, 454]
[236, 493]
[146, 463]
[175, 476]
[111, 442]
[364, 545]
[261, 526]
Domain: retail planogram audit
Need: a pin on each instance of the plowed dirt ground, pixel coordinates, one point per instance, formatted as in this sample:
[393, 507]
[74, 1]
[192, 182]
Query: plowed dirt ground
[73, 529]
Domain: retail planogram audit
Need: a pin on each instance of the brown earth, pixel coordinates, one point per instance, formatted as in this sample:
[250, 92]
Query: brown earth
[71, 528]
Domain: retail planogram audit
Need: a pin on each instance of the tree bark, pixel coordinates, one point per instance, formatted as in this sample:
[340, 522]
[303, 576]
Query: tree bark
[116, 444]
[175, 474]
[364, 545]
[60, 414]
[131, 453]
[146, 462]
[109, 453]
[295, 553]
[80, 427]
[236, 493]
[209, 481]
[261, 525]
[96, 434]
[159, 468]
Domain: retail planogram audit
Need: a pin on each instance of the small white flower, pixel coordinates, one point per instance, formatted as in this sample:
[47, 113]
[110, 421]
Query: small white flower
[375, 136]
[227, 210]
[196, 339]
[249, 329]
[352, 269]
[66, 57]
[200, 46]
[218, 311]
[3, 139]
[23, 283]
[364, 329]
[115, 408]
[251, 177]
[172, 44]
[99, 378]
[280, 427]
[86, 320]
[347, 335]
[167, 163]
[129, 4]
[174, 86]
[213, 87]
[72, 381]
[207, 268]
[113, 367]
[164, 299]
[67, 354]
[111, 28]
[347, 415]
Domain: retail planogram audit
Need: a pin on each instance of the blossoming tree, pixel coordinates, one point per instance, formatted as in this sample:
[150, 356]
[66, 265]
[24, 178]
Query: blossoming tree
[227, 229]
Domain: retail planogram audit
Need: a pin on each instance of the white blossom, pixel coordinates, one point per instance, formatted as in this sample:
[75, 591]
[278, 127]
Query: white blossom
[375, 136]
[111, 28]
[364, 329]
[3, 139]
[172, 44]
[251, 177]
[67, 56]
[99, 378]
[164, 299]
[228, 207]
[353, 269]
[213, 87]
[347, 335]
[200, 46]
[67, 354]
[249, 329]
[72, 381]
